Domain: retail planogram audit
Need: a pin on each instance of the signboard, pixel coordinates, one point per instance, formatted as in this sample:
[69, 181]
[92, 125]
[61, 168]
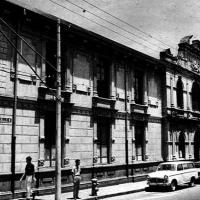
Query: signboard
[5, 120]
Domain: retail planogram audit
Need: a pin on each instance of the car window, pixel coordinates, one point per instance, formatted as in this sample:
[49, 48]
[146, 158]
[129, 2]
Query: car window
[185, 166]
[162, 167]
[179, 167]
[190, 165]
[197, 164]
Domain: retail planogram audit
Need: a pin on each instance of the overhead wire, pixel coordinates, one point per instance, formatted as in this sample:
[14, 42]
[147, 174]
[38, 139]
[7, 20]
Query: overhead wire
[138, 36]
[130, 25]
[5, 23]
[103, 26]
[34, 71]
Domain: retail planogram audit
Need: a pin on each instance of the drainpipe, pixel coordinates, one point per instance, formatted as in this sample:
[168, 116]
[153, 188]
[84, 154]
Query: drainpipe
[126, 131]
[13, 141]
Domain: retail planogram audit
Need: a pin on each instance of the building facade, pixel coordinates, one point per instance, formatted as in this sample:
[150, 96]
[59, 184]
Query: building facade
[181, 108]
[112, 103]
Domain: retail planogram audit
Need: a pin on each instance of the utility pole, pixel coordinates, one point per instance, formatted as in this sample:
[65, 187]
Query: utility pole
[13, 146]
[58, 117]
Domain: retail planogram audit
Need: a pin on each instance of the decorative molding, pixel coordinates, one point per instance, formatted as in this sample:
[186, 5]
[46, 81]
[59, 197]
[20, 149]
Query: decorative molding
[82, 111]
[41, 162]
[42, 139]
[113, 158]
[66, 161]
[156, 120]
[95, 159]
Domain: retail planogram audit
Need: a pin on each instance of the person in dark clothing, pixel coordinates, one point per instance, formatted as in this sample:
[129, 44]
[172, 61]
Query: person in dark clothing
[76, 173]
[29, 174]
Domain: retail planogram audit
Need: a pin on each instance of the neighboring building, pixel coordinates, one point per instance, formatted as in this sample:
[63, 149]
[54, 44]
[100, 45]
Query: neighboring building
[111, 108]
[181, 112]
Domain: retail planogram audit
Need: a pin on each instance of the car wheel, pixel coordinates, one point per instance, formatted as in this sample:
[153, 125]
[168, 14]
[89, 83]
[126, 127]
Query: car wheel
[173, 186]
[192, 182]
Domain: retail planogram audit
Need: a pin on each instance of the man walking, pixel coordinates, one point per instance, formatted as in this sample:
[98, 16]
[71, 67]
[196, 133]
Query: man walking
[76, 173]
[29, 174]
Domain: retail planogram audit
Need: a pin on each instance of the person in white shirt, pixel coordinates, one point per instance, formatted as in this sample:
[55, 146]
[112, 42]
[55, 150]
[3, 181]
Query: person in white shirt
[76, 173]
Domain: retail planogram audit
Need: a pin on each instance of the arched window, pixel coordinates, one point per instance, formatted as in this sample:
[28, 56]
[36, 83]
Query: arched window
[181, 145]
[195, 96]
[179, 90]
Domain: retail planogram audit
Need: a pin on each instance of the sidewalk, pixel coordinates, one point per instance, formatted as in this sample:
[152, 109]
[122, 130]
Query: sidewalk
[104, 192]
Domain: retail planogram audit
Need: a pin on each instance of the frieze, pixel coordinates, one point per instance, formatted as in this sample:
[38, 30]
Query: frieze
[82, 111]
[140, 117]
[156, 120]
[103, 112]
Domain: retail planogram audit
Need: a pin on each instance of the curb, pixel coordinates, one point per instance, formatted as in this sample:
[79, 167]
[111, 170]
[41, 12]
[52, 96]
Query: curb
[114, 194]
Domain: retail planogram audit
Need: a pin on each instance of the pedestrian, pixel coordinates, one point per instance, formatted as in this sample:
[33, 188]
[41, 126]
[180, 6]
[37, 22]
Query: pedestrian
[76, 173]
[29, 175]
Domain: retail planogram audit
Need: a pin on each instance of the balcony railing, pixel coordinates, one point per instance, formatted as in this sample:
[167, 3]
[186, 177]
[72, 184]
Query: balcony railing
[181, 113]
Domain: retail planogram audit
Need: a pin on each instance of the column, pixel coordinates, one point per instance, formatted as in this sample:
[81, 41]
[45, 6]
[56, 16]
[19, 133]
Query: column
[145, 88]
[145, 141]
[68, 75]
[42, 137]
[112, 81]
[112, 152]
[172, 91]
[189, 146]
[43, 66]
[188, 96]
[95, 76]
[95, 139]
[133, 143]
[132, 87]
[173, 145]
[65, 143]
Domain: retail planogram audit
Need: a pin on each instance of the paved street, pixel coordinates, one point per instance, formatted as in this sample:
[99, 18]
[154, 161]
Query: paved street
[183, 193]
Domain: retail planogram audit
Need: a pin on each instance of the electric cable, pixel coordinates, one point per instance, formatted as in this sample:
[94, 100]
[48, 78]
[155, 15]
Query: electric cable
[103, 26]
[28, 63]
[85, 10]
[134, 27]
[5, 23]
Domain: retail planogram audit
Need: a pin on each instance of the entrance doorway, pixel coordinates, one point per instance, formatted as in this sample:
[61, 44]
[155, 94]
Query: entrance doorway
[103, 144]
[181, 145]
[197, 146]
[50, 138]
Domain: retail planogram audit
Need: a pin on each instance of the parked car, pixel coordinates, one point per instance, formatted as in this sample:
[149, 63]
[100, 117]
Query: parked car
[172, 174]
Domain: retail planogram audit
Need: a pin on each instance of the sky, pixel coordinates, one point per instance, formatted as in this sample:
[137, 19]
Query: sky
[148, 26]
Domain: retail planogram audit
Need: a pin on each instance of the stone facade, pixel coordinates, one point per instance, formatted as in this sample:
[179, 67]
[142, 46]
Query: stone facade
[181, 112]
[112, 103]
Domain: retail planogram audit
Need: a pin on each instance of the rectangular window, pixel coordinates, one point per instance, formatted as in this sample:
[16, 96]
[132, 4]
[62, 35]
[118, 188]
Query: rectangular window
[81, 71]
[139, 142]
[103, 73]
[103, 137]
[30, 55]
[50, 138]
[51, 58]
[138, 87]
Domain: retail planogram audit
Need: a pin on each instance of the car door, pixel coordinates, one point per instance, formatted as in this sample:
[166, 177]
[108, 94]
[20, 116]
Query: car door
[180, 177]
[186, 174]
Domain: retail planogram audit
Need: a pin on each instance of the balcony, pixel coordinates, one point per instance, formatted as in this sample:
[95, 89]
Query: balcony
[45, 93]
[103, 107]
[139, 112]
[183, 114]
